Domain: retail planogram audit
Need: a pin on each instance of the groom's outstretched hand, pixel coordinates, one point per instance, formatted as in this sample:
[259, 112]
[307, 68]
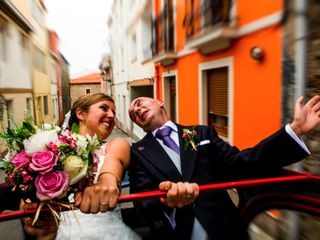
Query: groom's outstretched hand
[179, 194]
[306, 116]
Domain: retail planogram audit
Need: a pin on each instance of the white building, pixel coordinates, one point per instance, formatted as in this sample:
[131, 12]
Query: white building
[15, 62]
[133, 68]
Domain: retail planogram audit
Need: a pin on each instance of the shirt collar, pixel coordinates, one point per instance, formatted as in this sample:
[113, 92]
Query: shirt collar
[169, 124]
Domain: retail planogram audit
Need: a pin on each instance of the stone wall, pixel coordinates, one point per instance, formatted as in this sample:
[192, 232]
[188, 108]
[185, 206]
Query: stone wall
[77, 90]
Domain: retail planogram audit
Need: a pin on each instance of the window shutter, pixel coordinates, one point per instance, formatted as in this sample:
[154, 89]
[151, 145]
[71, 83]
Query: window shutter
[218, 99]
[218, 91]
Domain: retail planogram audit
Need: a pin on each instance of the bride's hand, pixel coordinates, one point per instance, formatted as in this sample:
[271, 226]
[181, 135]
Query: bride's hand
[99, 197]
[45, 227]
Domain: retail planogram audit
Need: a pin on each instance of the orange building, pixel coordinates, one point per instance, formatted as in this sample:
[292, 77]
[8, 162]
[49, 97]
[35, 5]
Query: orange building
[218, 62]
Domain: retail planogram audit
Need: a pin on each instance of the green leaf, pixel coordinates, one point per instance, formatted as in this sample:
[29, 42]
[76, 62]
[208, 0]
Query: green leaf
[85, 155]
[75, 128]
[11, 132]
[29, 127]
[8, 166]
[90, 159]
[19, 144]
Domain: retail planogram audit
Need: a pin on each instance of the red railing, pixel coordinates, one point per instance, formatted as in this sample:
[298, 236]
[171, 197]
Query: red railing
[294, 177]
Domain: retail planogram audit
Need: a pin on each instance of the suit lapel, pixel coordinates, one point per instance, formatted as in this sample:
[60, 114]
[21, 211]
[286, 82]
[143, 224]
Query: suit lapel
[153, 152]
[188, 157]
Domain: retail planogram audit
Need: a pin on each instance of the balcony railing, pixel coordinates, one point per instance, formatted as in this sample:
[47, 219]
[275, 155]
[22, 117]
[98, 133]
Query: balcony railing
[210, 17]
[163, 36]
[209, 14]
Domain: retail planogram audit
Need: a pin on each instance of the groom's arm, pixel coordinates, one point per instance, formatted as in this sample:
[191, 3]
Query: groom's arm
[152, 211]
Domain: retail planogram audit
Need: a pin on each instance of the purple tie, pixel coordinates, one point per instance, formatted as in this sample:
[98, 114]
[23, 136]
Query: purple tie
[164, 135]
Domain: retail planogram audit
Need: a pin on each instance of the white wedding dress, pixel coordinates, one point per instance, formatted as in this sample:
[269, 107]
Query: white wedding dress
[100, 226]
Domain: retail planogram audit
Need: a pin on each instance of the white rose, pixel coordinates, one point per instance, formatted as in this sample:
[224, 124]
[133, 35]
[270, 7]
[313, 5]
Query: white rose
[76, 168]
[38, 142]
[81, 142]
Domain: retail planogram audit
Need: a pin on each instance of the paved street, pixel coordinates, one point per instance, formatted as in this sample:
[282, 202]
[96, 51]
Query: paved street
[119, 133]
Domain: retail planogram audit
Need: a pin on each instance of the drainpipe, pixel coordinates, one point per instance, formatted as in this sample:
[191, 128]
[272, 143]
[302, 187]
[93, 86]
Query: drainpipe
[301, 9]
[157, 81]
[301, 46]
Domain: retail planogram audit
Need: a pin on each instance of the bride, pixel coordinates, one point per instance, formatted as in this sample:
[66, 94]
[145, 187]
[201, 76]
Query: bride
[95, 114]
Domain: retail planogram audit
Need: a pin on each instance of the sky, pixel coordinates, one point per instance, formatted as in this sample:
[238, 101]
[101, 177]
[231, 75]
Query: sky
[82, 29]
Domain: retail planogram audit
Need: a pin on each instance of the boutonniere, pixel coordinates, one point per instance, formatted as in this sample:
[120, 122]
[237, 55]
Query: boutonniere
[189, 137]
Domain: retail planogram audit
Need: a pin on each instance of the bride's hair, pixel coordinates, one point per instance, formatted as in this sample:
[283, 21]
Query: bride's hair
[84, 102]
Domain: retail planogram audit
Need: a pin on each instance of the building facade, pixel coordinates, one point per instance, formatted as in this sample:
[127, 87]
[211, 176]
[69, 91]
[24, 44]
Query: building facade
[15, 65]
[35, 12]
[15, 71]
[133, 68]
[236, 65]
[219, 63]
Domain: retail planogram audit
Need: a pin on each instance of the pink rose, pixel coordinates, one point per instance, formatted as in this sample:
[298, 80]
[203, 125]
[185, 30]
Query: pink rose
[43, 162]
[20, 160]
[51, 185]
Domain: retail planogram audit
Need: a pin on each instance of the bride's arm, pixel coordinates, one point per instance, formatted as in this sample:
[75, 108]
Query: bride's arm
[117, 160]
[103, 195]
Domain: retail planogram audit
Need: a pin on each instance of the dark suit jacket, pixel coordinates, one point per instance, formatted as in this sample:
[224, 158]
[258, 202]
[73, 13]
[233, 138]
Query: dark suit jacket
[211, 163]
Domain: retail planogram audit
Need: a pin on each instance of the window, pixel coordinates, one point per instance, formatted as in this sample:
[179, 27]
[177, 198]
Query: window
[218, 100]
[134, 48]
[38, 59]
[122, 60]
[38, 103]
[3, 40]
[2, 107]
[24, 50]
[45, 105]
[53, 109]
[88, 90]
[170, 96]
[37, 13]
[118, 105]
[53, 74]
[9, 105]
[29, 106]
[146, 34]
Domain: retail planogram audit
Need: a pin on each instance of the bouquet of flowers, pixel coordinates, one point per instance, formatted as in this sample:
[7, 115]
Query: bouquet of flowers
[47, 164]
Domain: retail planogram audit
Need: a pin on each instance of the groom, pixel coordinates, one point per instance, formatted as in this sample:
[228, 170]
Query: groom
[166, 158]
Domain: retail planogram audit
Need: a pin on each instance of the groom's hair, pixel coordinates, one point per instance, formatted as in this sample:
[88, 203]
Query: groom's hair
[84, 102]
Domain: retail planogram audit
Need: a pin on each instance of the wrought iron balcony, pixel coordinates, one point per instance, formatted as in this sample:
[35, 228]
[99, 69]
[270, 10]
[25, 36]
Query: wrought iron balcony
[163, 50]
[207, 26]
